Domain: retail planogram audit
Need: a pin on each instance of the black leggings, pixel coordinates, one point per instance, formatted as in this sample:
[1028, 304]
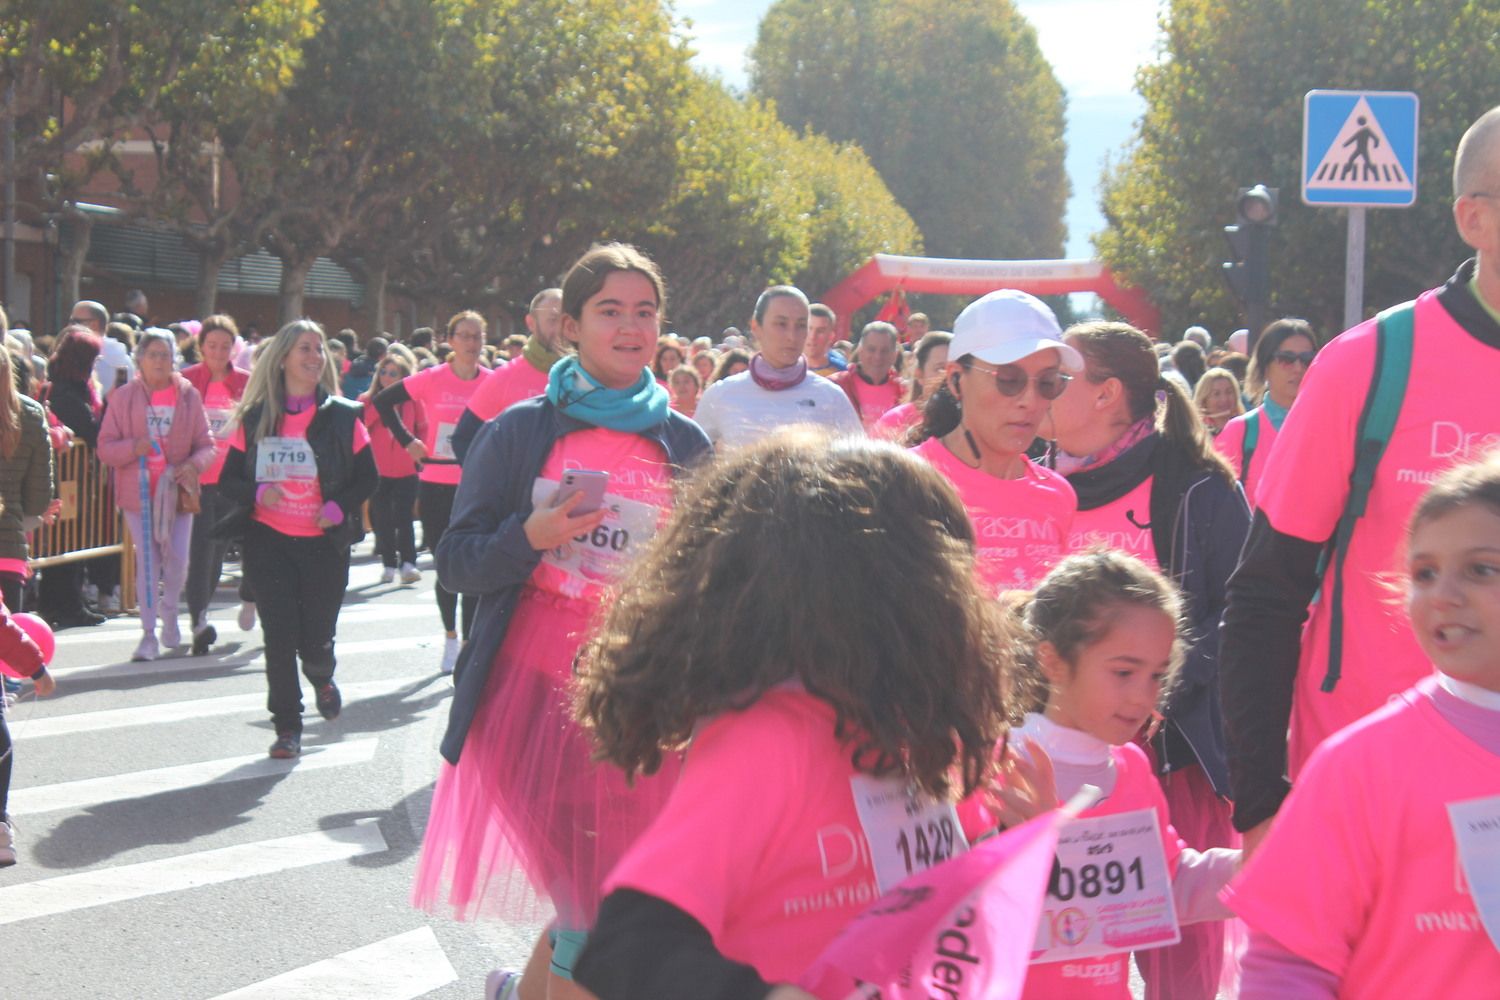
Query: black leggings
[10, 589]
[436, 500]
[390, 515]
[300, 583]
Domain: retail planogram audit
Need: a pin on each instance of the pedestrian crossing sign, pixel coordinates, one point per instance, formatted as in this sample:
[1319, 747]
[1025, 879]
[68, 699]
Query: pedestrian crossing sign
[1359, 148]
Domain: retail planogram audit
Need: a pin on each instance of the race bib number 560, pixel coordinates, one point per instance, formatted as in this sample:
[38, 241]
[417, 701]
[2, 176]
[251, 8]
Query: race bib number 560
[601, 554]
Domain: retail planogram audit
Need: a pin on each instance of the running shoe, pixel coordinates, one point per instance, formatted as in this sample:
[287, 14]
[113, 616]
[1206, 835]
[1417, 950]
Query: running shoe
[410, 573]
[502, 985]
[204, 637]
[247, 616]
[330, 702]
[388, 574]
[7, 842]
[287, 746]
[450, 655]
[147, 650]
[171, 633]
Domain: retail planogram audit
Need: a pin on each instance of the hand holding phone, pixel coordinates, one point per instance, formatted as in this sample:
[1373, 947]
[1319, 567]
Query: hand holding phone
[565, 517]
[593, 485]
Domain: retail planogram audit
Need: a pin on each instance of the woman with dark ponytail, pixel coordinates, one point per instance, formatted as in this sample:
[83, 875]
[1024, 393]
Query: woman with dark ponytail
[1149, 482]
[1007, 363]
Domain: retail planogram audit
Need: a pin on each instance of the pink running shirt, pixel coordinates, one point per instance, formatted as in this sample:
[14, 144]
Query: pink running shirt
[218, 406]
[1444, 420]
[1231, 444]
[875, 401]
[505, 386]
[776, 881]
[1124, 525]
[297, 513]
[443, 396]
[1360, 874]
[1021, 525]
[895, 422]
[159, 414]
[1107, 977]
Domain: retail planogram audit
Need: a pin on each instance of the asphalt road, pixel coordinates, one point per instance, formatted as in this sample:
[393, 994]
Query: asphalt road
[163, 855]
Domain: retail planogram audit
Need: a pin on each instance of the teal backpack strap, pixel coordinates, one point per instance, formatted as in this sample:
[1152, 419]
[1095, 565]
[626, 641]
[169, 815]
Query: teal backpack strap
[1393, 350]
[1247, 445]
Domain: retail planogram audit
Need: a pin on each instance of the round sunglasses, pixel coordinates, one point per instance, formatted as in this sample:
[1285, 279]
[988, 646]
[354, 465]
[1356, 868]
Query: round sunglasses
[1012, 380]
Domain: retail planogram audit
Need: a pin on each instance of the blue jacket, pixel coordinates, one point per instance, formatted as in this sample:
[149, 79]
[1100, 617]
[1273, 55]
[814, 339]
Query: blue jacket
[1199, 519]
[484, 552]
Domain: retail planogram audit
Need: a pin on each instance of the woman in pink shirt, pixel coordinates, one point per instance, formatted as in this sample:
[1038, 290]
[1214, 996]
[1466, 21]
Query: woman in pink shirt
[396, 496]
[444, 392]
[1008, 363]
[931, 363]
[221, 385]
[768, 846]
[1282, 356]
[299, 470]
[156, 424]
[1378, 877]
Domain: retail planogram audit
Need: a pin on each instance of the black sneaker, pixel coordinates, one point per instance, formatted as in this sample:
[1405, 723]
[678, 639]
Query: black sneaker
[329, 700]
[204, 638]
[287, 746]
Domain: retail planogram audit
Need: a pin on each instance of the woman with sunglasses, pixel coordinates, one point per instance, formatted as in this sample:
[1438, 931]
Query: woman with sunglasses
[396, 495]
[1007, 362]
[1150, 483]
[1283, 354]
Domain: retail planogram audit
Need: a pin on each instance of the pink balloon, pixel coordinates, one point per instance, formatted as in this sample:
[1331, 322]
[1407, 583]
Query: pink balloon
[40, 632]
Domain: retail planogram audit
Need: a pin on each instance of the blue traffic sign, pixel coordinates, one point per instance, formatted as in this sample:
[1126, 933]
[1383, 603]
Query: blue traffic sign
[1359, 148]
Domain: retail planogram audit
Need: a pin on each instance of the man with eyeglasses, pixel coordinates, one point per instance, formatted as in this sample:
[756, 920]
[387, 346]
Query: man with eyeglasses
[112, 368]
[1356, 650]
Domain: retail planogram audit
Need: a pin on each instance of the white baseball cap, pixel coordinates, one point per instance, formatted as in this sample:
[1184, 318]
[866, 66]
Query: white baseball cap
[1005, 326]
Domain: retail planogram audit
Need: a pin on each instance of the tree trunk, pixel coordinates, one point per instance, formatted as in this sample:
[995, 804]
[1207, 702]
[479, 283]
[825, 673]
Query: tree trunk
[377, 278]
[210, 263]
[294, 285]
[80, 232]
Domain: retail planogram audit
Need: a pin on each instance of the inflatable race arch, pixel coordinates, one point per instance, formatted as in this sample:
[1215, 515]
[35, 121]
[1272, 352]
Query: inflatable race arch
[888, 273]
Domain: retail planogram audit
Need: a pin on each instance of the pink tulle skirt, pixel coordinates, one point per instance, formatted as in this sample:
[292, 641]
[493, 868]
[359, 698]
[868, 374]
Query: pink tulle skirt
[526, 817]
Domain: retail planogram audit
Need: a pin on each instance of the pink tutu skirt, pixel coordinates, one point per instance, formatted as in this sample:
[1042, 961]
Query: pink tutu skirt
[526, 816]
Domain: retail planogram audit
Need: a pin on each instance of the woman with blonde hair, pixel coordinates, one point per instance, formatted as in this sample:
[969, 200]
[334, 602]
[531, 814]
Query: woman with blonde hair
[299, 467]
[1218, 398]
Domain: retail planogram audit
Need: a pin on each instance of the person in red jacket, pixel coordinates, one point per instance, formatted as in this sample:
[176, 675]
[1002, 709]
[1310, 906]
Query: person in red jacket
[871, 383]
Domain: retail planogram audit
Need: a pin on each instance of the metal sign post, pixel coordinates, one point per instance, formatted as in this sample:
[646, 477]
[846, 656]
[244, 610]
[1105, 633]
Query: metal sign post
[1354, 268]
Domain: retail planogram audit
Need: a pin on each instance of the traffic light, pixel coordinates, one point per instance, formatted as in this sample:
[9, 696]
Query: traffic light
[1248, 272]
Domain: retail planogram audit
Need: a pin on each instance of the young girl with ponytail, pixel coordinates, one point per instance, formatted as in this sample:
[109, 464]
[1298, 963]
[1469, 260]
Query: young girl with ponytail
[1150, 483]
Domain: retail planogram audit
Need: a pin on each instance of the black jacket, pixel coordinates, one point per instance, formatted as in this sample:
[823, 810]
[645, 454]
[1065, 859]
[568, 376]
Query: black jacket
[346, 477]
[69, 402]
[484, 552]
[1198, 523]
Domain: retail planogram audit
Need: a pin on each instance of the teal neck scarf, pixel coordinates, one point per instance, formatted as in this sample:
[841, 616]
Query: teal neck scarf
[1276, 413]
[581, 396]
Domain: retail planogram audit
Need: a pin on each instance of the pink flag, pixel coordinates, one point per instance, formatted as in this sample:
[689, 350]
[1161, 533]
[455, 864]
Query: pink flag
[961, 929]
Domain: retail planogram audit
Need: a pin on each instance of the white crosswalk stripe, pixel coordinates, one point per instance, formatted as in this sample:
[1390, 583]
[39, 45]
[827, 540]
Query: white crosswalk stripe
[148, 812]
[400, 967]
[189, 871]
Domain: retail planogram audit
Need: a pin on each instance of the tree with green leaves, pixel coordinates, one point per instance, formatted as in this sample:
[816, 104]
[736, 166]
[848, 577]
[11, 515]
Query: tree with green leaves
[952, 101]
[1224, 110]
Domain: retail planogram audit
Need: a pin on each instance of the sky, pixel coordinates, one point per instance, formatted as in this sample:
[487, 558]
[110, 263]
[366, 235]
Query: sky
[1094, 47]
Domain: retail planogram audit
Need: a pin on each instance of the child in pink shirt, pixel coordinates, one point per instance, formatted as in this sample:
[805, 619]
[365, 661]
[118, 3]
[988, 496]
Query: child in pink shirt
[1108, 636]
[1378, 878]
[773, 838]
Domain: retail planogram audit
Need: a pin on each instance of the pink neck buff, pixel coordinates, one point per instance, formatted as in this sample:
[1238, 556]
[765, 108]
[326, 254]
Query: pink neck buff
[776, 379]
[1134, 435]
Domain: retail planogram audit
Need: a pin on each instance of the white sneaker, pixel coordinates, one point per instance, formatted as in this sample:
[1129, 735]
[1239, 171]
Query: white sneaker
[8, 847]
[502, 985]
[147, 650]
[388, 574]
[171, 635]
[410, 573]
[247, 616]
[450, 655]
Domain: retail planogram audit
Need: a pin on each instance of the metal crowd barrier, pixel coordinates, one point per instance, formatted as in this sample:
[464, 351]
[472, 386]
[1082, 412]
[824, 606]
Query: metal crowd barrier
[89, 525]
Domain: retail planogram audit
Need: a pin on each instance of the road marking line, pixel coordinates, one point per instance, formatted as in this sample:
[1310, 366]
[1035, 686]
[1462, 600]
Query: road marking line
[115, 629]
[398, 968]
[188, 664]
[202, 708]
[83, 890]
[138, 784]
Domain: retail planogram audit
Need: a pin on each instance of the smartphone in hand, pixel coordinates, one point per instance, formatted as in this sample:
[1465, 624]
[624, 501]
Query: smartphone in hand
[591, 484]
